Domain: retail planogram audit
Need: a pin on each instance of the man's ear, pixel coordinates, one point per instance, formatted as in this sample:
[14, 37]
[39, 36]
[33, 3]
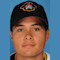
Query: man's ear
[11, 35]
[47, 35]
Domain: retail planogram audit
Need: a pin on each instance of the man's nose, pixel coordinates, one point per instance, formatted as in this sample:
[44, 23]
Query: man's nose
[28, 36]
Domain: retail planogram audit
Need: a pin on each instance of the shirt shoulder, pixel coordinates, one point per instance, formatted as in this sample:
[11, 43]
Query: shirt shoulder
[12, 56]
[48, 56]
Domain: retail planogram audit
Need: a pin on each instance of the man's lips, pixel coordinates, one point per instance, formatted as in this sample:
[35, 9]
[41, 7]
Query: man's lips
[28, 45]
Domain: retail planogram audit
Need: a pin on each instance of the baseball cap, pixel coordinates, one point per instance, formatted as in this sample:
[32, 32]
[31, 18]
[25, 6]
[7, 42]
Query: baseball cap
[25, 9]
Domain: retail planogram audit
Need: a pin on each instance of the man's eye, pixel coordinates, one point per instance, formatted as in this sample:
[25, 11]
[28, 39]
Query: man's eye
[36, 29]
[20, 30]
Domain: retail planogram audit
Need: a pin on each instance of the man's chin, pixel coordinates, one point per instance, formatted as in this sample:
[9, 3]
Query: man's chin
[29, 54]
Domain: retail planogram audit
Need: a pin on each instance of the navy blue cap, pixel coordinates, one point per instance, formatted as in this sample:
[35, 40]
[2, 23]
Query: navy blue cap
[25, 9]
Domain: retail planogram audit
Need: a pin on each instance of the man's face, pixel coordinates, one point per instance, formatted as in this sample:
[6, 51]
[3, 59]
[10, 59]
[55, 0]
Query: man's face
[29, 37]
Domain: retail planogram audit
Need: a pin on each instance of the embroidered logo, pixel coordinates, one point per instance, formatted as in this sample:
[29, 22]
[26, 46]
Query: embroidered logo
[28, 6]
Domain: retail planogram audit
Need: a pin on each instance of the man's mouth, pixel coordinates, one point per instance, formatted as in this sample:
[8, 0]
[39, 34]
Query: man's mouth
[28, 45]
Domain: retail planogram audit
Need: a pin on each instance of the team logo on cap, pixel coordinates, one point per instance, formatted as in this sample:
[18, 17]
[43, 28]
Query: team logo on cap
[28, 6]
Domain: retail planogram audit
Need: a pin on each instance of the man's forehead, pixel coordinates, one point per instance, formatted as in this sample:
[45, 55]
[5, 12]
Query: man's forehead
[30, 22]
[28, 26]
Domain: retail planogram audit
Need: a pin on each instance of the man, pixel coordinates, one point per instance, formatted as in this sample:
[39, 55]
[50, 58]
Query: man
[29, 32]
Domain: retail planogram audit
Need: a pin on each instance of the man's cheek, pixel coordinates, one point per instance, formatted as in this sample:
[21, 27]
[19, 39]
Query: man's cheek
[16, 37]
[16, 44]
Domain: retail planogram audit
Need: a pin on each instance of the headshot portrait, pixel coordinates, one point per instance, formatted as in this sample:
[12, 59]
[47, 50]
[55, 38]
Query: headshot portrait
[29, 31]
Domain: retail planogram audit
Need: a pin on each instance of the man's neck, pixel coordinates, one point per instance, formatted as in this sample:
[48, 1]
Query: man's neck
[38, 57]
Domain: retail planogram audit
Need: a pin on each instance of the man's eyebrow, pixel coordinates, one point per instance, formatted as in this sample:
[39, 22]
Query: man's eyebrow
[19, 25]
[36, 24]
[31, 25]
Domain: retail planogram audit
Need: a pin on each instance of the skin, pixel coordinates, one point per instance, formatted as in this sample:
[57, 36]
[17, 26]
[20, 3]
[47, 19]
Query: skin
[29, 39]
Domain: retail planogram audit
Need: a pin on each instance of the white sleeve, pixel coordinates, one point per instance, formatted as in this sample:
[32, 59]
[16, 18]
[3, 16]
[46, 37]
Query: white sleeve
[48, 56]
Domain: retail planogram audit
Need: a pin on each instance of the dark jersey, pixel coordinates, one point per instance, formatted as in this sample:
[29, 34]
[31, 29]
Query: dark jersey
[12, 57]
